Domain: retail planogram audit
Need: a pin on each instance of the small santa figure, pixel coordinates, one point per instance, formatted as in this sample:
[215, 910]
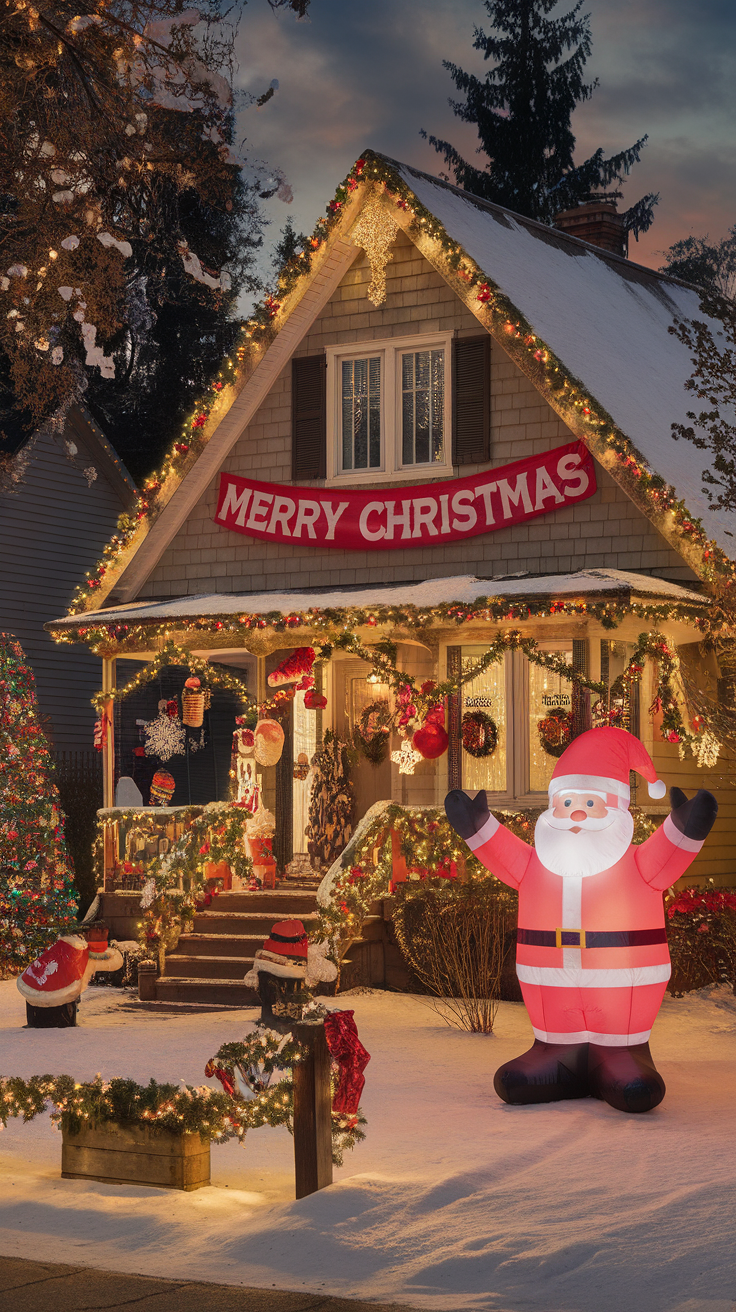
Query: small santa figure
[592, 956]
[286, 962]
[54, 982]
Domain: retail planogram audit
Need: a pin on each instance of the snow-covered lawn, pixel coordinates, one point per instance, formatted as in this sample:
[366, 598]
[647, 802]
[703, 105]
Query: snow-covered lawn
[454, 1201]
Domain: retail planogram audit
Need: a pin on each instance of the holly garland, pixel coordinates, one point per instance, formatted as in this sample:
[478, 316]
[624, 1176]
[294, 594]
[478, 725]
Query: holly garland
[177, 879]
[255, 1060]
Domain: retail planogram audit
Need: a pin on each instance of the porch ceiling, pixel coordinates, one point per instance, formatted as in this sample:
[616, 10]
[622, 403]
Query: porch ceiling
[464, 589]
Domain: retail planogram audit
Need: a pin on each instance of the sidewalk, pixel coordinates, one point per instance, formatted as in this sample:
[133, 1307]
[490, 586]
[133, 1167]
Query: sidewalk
[51, 1287]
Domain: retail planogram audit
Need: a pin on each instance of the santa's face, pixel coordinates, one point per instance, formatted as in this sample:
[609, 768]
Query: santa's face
[581, 834]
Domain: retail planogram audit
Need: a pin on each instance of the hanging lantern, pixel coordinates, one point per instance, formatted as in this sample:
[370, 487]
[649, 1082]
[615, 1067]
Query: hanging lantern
[268, 742]
[192, 702]
[162, 788]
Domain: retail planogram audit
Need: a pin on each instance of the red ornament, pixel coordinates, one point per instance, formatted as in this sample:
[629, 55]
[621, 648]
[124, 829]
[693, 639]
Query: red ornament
[314, 701]
[430, 740]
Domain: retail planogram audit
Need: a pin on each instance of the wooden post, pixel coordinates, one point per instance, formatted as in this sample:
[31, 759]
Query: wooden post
[312, 1112]
[108, 750]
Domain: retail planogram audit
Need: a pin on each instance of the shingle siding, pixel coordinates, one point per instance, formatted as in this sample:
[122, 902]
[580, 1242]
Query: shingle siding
[606, 530]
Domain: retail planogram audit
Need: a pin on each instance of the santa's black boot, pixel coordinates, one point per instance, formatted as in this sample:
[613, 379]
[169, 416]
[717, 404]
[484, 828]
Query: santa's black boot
[625, 1078]
[548, 1072]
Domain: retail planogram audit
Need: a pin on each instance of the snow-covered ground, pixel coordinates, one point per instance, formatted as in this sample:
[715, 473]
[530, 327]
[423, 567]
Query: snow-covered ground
[454, 1201]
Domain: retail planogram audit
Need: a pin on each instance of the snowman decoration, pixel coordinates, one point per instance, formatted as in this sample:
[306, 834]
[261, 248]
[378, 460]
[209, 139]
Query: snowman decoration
[592, 956]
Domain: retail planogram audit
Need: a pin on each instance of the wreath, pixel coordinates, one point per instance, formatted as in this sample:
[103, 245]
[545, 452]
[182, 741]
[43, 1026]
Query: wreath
[371, 734]
[555, 731]
[480, 734]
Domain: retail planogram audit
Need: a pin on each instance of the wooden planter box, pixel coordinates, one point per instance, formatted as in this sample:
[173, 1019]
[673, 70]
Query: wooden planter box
[136, 1155]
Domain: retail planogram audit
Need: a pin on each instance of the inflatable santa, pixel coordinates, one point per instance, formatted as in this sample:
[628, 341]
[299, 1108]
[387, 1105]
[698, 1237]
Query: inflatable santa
[592, 956]
[54, 982]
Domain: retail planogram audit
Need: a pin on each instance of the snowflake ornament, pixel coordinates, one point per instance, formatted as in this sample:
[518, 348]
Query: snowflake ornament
[406, 758]
[164, 737]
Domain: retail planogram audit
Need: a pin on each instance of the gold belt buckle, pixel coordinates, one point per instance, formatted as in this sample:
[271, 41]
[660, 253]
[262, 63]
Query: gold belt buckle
[581, 938]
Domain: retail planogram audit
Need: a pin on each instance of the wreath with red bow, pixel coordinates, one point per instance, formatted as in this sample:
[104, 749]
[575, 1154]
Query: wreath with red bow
[480, 734]
[555, 731]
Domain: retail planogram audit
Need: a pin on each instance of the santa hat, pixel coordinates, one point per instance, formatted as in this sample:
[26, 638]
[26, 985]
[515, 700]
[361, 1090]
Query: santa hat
[600, 760]
[288, 953]
[56, 976]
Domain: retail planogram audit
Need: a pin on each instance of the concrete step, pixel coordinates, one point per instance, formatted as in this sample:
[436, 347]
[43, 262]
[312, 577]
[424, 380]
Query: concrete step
[215, 992]
[283, 904]
[218, 945]
[217, 921]
[189, 967]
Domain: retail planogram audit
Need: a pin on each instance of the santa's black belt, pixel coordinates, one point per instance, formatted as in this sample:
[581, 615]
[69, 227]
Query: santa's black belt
[590, 938]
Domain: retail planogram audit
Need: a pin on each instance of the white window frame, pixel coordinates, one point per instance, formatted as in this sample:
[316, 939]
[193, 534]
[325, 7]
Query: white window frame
[391, 467]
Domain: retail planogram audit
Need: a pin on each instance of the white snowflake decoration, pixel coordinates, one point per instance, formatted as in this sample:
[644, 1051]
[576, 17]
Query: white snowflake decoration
[165, 737]
[706, 750]
[406, 758]
[148, 893]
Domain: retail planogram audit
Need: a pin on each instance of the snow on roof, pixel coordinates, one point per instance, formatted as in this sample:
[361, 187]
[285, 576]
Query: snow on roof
[606, 319]
[465, 588]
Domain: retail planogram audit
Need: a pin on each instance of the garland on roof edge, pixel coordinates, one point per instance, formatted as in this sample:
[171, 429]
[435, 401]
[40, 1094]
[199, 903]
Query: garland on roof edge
[263, 325]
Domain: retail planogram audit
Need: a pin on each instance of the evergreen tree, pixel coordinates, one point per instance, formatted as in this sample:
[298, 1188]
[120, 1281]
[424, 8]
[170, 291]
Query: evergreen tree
[37, 897]
[710, 265]
[522, 109]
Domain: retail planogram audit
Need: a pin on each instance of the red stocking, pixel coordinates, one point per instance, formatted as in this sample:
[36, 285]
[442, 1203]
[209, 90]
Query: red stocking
[346, 1049]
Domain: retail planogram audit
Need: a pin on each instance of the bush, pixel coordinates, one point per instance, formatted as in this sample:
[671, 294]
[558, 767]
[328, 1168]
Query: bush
[456, 937]
[701, 931]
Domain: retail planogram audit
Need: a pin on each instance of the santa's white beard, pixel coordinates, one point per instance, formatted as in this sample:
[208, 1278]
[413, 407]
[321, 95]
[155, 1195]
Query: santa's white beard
[598, 845]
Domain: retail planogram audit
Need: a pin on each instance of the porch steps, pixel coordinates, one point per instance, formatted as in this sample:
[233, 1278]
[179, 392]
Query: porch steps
[210, 962]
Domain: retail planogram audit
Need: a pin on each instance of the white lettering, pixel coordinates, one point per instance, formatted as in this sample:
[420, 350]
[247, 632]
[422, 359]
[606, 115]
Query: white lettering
[261, 502]
[234, 504]
[332, 517]
[393, 520]
[283, 509]
[307, 513]
[461, 503]
[567, 470]
[546, 488]
[425, 509]
[511, 497]
[372, 534]
[485, 493]
[445, 527]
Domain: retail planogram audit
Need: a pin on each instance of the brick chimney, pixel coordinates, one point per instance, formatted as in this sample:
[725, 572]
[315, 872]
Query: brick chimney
[597, 222]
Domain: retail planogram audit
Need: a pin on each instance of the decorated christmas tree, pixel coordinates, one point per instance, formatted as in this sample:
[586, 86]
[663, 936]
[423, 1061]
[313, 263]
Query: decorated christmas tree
[37, 896]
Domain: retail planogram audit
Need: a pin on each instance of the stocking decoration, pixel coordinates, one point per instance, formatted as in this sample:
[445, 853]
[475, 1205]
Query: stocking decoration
[293, 668]
[346, 1049]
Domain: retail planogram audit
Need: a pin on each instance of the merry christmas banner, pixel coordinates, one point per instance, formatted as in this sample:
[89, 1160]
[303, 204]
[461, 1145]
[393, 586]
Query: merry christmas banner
[378, 520]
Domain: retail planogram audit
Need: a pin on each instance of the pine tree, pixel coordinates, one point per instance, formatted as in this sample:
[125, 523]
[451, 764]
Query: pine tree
[523, 108]
[707, 264]
[37, 897]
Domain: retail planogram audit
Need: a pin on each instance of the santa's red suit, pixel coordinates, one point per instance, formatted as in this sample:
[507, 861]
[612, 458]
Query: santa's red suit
[592, 955]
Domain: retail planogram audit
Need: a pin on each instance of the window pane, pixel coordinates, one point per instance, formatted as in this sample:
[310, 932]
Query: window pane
[485, 693]
[361, 413]
[422, 407]
[550, 717]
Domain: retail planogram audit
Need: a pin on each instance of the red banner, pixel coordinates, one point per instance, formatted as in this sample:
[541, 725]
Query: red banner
[424, 515]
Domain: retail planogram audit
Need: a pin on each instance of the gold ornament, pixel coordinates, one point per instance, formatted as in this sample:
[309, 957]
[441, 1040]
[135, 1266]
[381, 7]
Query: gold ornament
[376, 231]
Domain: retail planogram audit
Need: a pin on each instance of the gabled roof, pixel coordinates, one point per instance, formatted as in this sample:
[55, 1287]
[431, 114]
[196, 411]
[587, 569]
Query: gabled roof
[589, 328]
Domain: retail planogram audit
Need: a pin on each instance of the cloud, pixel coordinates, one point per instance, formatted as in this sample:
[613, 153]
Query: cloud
[371, 74]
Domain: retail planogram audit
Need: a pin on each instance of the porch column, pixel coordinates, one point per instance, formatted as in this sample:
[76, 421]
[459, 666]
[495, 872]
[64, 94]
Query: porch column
[108, 749]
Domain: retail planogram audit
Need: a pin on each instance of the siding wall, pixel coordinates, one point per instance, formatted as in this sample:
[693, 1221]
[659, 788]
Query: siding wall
[606, 530]
[51, 531]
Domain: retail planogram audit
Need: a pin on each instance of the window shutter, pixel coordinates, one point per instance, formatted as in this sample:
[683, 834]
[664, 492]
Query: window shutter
[308, 417]
[471, 400]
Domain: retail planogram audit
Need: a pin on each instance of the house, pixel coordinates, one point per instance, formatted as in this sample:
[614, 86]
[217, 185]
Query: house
[450, 429]
[63, 497]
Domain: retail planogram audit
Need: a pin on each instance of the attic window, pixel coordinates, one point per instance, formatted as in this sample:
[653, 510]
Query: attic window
[388, 410]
